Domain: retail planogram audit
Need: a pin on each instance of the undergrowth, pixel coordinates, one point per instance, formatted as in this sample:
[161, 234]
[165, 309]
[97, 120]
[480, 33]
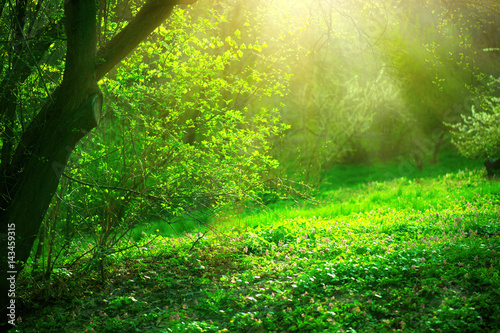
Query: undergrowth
[418, 255]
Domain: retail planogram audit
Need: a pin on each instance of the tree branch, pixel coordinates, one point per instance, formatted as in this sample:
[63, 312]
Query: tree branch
[81, 22]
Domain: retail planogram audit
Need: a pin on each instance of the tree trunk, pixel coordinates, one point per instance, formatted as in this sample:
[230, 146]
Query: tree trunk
[45, 147]
[437, 147]
[32, 175]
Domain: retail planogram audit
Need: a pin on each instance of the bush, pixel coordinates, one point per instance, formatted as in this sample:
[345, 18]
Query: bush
[479, 134]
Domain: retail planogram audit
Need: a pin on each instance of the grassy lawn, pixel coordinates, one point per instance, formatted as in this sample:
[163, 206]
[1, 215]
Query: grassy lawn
[418, 253]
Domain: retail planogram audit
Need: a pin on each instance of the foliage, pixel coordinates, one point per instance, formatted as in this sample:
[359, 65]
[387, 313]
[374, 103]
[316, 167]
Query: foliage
[338, 96]
[337, 115]
[185, 134]
[479, 133]
[389, 268]
[378, 81]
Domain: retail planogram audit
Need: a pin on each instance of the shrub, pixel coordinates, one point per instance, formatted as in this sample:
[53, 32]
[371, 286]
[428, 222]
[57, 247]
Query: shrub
[479, 134]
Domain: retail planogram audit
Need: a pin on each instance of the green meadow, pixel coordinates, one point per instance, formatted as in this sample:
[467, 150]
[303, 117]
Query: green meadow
[375, 249]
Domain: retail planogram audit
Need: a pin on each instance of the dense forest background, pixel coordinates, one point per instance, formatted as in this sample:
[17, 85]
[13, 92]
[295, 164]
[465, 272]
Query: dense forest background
[232, 105]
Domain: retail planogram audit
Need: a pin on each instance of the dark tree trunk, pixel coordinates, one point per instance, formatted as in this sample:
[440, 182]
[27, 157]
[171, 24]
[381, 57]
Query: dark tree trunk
[492, 166]
[437, 147]
[44, 148]
[31, 176]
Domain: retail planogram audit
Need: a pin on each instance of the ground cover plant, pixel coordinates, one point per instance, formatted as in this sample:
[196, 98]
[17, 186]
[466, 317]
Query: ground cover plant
[403, 254]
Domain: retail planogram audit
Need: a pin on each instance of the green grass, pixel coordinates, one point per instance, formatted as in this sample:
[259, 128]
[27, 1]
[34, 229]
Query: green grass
[405, 253]
[355, 175]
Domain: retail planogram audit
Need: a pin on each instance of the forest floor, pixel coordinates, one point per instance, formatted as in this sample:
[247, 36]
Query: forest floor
[382, 254]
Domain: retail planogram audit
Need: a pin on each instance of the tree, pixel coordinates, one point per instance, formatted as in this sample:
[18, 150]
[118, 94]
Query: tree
[34, 156]
[478, 135]
[181, 139]
[339, 93]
